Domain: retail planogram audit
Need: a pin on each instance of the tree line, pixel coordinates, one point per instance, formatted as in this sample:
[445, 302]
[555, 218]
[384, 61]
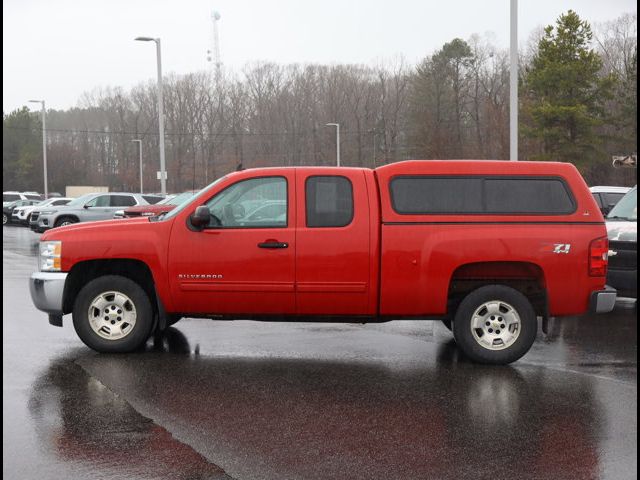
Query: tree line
[578, 103]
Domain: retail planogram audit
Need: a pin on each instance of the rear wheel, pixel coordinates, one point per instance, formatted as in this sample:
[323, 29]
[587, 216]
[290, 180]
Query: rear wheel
[113, 314]
[495, 324]
[5, 219]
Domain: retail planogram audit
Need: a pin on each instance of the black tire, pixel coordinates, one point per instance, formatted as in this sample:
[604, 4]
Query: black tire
[5, 219]
[472, 347]
[65, 221]
[447, 323]
[139, 304]
[173, 319]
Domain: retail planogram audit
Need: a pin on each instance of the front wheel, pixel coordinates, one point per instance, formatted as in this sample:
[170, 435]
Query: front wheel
[113, 314]
[495, 324]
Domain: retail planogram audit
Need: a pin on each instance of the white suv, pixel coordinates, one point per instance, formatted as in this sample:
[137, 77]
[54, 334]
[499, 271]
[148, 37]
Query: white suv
[8, 197]
[22, 215]
[607, 197]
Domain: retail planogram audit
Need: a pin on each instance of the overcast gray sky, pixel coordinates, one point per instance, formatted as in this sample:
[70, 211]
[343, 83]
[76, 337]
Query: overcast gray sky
[58, 49]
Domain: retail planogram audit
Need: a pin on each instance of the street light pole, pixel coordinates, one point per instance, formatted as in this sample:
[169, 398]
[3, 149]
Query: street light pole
[513, 87]
[337, 125]
[139, 142]
[163, 172]
[44, 145]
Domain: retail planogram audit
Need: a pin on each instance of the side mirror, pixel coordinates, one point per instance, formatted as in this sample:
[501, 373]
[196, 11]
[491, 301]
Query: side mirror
[86, 205]
[200, 218]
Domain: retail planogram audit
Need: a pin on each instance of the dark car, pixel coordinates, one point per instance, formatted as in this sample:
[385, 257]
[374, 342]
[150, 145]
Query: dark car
[622, 229]
[7, 210]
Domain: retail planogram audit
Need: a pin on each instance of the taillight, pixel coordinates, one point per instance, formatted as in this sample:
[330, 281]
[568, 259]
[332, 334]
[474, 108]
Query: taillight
[598, 257]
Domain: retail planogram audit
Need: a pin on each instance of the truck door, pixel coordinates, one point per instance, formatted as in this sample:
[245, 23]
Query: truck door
[243, 262]
[332, 243]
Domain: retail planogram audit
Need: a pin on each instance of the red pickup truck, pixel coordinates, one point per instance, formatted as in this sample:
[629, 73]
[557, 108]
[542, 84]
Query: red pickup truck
[485, 246]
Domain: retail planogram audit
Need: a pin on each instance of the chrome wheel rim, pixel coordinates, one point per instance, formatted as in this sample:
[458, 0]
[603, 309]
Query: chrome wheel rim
[495, 325]
[112, 315]
[4, 218]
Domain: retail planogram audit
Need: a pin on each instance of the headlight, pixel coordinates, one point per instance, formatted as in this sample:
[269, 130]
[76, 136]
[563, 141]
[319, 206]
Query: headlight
[50, 258]
[48, 212]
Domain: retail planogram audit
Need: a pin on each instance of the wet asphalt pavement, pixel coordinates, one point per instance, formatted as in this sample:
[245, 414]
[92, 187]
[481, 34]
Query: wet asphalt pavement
[248, 400]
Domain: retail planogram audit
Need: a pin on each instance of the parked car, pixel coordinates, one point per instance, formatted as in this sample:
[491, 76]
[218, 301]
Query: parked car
[22, 215]
[165, 205]
[488, 245]
[622, 227]
[152, 199]
[8, 197]
[87, 208]
[7, 210]
[607, 197]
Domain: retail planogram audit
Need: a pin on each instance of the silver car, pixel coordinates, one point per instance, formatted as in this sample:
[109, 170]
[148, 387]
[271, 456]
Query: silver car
[87, 208]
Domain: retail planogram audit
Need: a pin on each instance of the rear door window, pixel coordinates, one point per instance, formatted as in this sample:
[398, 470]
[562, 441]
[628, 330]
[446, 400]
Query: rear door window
[329, 201]
[123, 201]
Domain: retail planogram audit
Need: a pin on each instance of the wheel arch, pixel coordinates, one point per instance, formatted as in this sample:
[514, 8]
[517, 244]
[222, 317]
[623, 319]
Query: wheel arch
[83, 272]
[65, 215]
[526, 277]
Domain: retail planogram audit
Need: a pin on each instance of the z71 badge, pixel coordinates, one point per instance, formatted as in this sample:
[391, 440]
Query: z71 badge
[557, 248]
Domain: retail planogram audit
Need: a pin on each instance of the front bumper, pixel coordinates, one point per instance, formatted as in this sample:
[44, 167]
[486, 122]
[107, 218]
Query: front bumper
[603, 301]
[42, 223]
[47, 290]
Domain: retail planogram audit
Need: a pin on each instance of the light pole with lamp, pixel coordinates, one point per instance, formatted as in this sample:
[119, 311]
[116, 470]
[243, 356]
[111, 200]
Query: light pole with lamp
[139, 142]
[163, 172]
[337, 125]
[44, 146]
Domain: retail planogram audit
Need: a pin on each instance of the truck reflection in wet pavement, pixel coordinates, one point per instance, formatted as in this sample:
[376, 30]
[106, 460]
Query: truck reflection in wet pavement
[307, 418]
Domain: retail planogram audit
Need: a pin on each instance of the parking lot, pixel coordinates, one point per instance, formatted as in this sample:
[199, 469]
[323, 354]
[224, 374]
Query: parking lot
[249, 400]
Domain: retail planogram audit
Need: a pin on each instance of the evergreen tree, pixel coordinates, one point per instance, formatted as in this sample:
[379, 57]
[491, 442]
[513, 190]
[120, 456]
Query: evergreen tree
[565, 94]
[21, 151]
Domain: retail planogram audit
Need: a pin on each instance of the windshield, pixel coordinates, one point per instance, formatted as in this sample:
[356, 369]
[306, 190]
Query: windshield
[80, 200]
[184, 204]
[627, 208]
